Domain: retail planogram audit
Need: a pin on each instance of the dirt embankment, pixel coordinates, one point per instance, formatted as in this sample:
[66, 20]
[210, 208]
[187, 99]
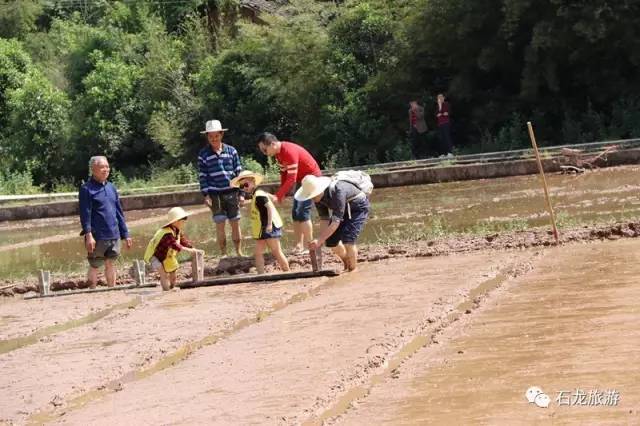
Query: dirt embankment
[372, 253]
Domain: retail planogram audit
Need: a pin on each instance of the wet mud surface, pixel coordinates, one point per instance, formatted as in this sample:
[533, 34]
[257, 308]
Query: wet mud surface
[571, 326]
[106, 353]
[413, 338]
[281, 368]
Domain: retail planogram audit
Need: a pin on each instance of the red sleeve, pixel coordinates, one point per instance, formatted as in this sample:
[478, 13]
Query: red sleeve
[173, 243]
[166, 242]
[289, 163]
[184, 242]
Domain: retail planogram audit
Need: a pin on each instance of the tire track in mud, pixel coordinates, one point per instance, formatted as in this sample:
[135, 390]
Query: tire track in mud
[427, 335]
[178, 356]
[9, 345]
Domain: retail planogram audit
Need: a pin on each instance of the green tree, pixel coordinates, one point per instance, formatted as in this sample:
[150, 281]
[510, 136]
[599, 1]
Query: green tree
[109, 106]
[38, 131]
[18, 17]
[14, 65]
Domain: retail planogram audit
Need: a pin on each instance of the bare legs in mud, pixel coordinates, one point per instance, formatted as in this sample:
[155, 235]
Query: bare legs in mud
[276, 251]
[109, 272]
[167, 279]
[348, 253]
[302, 234]
[236, 236]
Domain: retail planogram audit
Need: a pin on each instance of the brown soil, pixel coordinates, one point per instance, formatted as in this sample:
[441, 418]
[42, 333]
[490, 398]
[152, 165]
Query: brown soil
[572, 325]
[242, 344]
[424, 339]
[373, 253]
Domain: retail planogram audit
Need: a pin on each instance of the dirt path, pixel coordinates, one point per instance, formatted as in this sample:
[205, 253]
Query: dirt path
[572, 324]
[245, 366]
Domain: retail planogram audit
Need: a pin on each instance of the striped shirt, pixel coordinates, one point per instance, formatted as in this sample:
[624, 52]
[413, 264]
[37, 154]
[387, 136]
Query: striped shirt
[217, 170]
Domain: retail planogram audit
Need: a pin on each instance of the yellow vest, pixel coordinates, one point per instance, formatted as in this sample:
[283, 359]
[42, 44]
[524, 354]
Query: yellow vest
[256, 225]
[170, 263]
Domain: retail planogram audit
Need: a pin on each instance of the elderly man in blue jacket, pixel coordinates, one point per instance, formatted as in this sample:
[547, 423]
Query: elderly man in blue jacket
[102, 220]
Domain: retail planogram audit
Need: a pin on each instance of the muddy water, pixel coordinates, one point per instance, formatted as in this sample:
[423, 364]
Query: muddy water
[398, 214]
[571, 326]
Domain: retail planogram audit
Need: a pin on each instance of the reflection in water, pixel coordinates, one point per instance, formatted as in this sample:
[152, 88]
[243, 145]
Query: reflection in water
[397, 214]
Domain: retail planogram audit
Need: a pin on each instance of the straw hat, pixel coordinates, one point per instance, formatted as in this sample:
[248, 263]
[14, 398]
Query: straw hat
[311, 187]
[213, 126]
[246, 174]
[175, 214]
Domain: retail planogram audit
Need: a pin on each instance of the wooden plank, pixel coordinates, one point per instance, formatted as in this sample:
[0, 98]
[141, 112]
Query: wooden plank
[90, 290]
[259, 278]
[8, 286]
[197, 266]
[44, 282]
[139, 272]
[316, 259]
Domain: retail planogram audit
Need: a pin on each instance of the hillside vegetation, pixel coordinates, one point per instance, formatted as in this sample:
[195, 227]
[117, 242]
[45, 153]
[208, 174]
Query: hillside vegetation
[136, 80]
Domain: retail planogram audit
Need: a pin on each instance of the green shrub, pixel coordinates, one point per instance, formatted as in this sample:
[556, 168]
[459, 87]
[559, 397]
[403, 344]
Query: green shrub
[17, 183]
[251, 164]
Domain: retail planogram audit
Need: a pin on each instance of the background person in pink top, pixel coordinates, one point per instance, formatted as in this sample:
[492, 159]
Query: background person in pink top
[444, 126]
[295, 163]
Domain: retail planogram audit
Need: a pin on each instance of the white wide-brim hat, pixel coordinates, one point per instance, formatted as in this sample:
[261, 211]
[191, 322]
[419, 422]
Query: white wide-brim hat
[213, 126]
[311, 187]
[246, 174]
[175, 214]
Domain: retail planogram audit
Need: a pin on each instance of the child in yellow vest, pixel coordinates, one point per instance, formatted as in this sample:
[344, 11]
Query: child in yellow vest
[266, 224]
[165, 245]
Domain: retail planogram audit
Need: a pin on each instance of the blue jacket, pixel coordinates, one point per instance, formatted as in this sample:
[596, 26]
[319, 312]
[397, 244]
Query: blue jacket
[216, 171]
[101, 212]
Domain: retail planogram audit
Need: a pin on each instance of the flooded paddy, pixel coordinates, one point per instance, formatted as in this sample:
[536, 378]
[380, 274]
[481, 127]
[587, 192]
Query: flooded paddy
[419, 338]
[398, 214]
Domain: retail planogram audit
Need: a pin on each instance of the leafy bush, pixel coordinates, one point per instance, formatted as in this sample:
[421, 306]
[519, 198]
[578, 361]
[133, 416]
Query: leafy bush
[17, 183]
[249, 163]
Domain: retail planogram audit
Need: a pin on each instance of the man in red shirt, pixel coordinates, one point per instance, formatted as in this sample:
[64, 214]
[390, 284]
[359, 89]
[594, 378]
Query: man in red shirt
[295, 163]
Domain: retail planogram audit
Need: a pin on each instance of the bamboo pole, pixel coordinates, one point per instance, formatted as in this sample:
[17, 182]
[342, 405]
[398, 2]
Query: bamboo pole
[6, 287]
[60, 293]
[252, 278]
[544, 183]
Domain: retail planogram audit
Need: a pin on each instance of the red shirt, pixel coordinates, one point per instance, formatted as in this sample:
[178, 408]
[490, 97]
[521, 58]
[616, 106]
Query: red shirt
[169, 241]
[441, 116]
[295, 163]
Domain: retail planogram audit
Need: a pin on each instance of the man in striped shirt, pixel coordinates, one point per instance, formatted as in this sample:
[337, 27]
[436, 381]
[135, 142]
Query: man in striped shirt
[218, 163]
[295, 163]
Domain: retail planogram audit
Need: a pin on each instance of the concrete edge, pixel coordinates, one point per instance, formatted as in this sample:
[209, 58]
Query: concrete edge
[387, 179]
